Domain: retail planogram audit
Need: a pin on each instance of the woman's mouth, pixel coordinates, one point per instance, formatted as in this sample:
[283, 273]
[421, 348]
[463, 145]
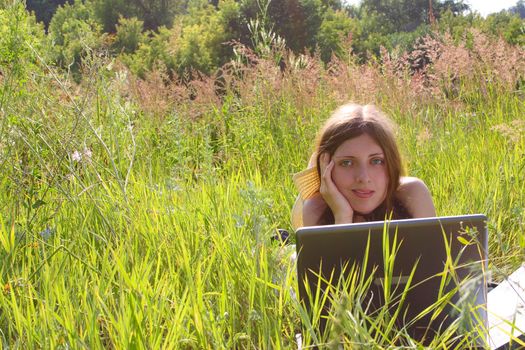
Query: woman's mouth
[363, 193]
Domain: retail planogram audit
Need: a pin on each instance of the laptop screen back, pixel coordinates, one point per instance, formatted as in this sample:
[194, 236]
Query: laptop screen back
[422, 260]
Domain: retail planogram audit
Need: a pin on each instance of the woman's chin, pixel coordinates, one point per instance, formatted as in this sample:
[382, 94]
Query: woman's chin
[362, 212]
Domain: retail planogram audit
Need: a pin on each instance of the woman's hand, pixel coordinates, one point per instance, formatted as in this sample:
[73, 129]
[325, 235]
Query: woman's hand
[343, 212]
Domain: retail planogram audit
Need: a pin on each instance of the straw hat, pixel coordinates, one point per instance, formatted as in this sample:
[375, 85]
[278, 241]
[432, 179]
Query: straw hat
[307, 183]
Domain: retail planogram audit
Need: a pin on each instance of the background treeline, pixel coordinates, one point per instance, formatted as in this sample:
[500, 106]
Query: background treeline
[183, 36]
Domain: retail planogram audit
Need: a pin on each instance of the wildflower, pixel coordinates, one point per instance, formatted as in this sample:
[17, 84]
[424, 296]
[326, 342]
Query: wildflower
[47, 233]
[76, 156]
[87, 154]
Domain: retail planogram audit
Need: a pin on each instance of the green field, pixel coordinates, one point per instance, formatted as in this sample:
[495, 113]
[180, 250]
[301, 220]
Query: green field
[137, 213]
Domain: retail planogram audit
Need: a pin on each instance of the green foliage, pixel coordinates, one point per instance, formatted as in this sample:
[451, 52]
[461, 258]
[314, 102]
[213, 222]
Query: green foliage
[157, 13]
[45, 9]
[455, 7]
[202, 42]
[17, 26]
[404, 41]
[297, 21]
[400, 15]
[108, 13]
[198, 41]
[519, 9]
[129, 35]
[154, 52]
[458, 26]
[74, 35]
[199, 28]
[266, 43]
[509, 26]
[126, 226]
[371, 33]
[154, 13]
[21, 38]
[334, 30]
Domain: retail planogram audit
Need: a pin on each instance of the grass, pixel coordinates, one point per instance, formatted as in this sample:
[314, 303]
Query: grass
[158, 236]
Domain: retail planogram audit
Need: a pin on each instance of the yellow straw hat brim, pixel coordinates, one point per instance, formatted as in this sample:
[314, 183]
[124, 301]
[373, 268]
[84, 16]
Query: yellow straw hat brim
[307, 183]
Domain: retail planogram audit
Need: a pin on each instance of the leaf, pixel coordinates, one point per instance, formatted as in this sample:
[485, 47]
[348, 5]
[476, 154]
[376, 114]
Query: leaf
[38, 204]
[463, 241]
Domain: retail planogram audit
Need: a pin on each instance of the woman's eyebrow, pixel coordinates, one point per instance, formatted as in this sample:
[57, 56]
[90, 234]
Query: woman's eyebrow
[370, 155]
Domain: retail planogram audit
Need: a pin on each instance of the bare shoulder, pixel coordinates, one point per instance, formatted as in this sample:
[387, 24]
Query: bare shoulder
[409, 184]
[416, 197]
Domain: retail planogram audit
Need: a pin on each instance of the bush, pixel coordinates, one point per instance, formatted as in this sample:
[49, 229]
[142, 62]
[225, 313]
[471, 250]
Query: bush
[336, 27]
[205, 32]
[129, 35]
[19, 35]
[74, 34]
[198, 41]
[507, 25]
[154, 51]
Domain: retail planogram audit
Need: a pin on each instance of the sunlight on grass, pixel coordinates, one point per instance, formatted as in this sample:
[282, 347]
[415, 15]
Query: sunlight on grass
[121, 227]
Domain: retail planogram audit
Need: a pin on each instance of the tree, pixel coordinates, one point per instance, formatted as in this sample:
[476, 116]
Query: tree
[153, 13]
[404, 15]
[507, 25]
[197, 41]
[21, 38]
[129, 35]
[519, 9]
[407, 15]
[74, 34]
[45, 9]
[335, 28]
[457, 8]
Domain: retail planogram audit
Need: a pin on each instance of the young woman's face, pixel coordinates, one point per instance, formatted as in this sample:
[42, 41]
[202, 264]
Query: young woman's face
[360, 173]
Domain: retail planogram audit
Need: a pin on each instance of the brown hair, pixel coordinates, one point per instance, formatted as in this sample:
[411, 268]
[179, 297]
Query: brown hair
[353, 120]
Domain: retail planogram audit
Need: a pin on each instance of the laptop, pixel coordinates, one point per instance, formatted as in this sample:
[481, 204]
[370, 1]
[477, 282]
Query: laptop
[430, 269]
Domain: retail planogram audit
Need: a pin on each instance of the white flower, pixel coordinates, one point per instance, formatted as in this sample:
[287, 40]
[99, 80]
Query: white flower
[76, 156]
[87, 154]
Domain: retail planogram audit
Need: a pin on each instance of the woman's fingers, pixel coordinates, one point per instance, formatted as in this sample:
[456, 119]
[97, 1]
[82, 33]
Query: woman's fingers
[327, 185]
[324, 160]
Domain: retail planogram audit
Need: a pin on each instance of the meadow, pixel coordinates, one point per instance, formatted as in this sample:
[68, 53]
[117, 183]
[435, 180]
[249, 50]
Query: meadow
[138, 213]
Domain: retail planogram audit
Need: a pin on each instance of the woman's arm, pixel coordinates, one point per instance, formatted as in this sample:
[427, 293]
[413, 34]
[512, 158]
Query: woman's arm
[313, 209]
[416, 197]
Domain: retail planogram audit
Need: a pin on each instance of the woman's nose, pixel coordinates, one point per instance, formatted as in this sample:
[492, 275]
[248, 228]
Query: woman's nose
[362, 175]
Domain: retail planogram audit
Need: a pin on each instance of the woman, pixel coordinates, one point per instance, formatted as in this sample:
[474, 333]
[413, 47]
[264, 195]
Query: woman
[355, 174]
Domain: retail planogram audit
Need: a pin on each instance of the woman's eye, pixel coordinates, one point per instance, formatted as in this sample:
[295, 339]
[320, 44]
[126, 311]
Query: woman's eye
[346, 163]
[378, 161]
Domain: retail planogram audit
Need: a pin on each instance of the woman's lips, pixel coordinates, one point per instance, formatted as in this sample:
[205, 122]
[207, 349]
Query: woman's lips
[363, 193]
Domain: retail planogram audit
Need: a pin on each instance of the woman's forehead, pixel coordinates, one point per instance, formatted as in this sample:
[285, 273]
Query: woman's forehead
[363, 144]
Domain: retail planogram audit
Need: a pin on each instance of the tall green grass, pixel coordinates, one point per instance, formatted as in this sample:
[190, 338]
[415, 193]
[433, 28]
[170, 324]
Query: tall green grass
[125, 224]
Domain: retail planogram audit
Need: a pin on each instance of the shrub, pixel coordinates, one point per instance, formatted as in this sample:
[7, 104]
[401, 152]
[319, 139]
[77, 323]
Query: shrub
[129, 35]
[74, 34]
[336, 26]
[19, 36]
[154, 51]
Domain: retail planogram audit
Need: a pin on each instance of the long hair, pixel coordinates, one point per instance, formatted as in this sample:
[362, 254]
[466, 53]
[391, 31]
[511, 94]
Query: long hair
[353, 120]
